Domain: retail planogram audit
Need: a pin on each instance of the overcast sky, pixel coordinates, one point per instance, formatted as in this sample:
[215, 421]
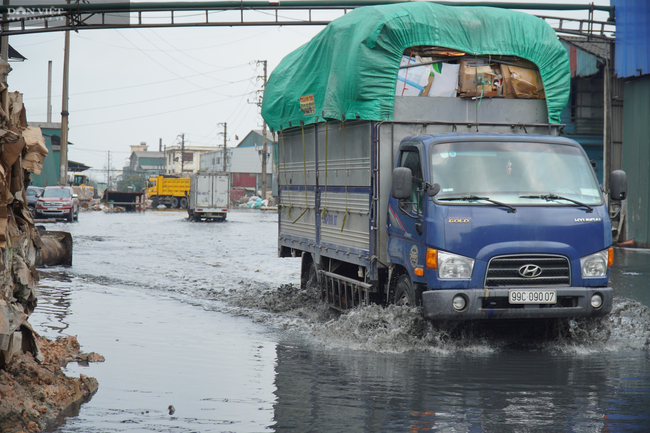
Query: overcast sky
[142, 85]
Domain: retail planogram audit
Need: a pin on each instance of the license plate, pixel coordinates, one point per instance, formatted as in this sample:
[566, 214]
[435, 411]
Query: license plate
[532, 296]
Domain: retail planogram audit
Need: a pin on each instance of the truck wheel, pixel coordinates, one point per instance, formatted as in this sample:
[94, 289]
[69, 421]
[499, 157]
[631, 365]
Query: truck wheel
[183, 203]
[154, 202]
[404, 294]
[174, 202]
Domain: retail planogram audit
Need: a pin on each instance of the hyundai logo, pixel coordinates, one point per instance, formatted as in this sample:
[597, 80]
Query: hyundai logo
[530, 271]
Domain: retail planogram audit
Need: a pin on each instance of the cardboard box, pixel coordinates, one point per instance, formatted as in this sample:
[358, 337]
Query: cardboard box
[522, 83]
[477, 79]
[412, 81]
[443, 80]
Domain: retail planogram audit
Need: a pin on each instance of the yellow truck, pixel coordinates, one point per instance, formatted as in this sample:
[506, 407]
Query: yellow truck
[168, 190]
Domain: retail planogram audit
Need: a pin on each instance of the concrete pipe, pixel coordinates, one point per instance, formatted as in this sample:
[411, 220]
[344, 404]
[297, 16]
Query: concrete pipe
[56, 249]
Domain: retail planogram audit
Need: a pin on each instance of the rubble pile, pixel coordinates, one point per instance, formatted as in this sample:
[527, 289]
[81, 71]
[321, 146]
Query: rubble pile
[33, 393]
[32, 387]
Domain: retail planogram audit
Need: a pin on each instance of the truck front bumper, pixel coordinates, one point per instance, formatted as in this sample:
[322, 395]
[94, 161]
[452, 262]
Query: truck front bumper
[494, 304]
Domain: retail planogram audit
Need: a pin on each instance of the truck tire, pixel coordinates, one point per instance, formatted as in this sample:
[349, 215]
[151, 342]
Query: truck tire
[174, 202]
[183, 203]
[154, 202]
[404, 293]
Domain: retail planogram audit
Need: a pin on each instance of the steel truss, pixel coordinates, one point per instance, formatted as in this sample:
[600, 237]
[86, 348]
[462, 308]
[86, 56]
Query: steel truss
[84, 16]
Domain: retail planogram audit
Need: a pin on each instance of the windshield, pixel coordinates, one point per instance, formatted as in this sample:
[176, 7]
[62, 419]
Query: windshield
[56, 192]
[514, 173]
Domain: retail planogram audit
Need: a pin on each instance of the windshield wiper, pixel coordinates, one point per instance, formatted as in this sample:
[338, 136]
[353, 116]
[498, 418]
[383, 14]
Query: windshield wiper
[549, 197]
[511, 209]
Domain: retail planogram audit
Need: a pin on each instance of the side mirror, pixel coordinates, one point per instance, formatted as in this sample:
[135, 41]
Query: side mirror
[401, 185]
[432, 190]
[618, 185]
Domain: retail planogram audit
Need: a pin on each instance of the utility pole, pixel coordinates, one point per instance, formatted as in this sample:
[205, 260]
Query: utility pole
[63, 154]
[4, 47]
[225, 139]
[182, 152]
[264, 152]
[108, 171]
[167, 163]
[49, 91]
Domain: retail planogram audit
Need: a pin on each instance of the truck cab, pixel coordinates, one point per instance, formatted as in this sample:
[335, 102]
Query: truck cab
[489, 225]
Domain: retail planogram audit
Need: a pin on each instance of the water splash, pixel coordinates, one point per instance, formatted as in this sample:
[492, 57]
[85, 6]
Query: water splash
[395, 329]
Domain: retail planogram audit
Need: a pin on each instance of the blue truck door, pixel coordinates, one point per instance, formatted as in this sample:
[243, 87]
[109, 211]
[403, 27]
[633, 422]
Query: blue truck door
[406, 218]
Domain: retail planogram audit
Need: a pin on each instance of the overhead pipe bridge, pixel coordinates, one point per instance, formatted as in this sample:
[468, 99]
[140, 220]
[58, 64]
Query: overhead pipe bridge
[25, 19]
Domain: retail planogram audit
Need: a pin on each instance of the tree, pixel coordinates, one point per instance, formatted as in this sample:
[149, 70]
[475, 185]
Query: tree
[135, 182]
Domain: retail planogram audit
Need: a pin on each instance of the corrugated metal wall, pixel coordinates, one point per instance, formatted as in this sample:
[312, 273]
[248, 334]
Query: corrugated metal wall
[50, 173]
[636, 159]
[632, 55]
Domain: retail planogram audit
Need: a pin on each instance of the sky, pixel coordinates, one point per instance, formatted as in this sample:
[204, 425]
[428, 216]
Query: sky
[138, 85]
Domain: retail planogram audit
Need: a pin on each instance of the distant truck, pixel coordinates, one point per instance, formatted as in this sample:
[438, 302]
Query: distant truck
[170, 191]
[209, 196]
[468, 207]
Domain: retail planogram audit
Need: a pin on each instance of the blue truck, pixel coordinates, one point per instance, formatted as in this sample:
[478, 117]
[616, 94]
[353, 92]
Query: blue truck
[469, 207]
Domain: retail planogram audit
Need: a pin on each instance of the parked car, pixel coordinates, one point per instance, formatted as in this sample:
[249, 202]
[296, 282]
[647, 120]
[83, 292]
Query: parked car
[58, 202]
[33, 193]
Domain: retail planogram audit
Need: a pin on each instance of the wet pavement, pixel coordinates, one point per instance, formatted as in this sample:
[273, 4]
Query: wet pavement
[206, 318]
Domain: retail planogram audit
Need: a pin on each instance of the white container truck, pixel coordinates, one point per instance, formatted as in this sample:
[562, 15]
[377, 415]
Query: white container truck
[209, 196]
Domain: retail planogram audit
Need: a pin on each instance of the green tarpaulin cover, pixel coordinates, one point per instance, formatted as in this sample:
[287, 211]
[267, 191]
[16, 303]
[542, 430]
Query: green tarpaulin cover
[349, 69]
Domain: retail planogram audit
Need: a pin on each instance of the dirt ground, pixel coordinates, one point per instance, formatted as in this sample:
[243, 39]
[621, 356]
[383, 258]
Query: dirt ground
[33, 394]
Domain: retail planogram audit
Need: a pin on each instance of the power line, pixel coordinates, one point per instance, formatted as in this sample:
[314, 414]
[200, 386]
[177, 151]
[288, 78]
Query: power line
[160, 113]
[136, 85]
[122, 104]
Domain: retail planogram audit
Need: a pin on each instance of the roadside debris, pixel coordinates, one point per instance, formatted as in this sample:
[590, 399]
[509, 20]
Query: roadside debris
[33, 393]
[56, 248]
[33, 389]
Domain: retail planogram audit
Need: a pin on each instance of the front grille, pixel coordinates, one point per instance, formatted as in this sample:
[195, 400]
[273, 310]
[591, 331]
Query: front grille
[504, 271]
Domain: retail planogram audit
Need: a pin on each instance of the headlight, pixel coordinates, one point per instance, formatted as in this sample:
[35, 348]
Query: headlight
[453, 266]
[595, 265]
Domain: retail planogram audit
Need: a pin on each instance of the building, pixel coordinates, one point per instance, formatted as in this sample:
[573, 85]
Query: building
[632, 68]
[244, 161]
[184, 159]
[144, 163]
[584, 115]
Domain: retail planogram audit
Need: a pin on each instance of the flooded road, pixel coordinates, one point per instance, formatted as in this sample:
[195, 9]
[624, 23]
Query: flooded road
[205, 318]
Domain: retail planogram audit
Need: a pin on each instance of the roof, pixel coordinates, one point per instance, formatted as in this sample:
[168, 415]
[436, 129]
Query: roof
[15, 55]
[245, 142]
[269, 134]
[598, 48]
[147, 154]
[75, 166]
[349, 69]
